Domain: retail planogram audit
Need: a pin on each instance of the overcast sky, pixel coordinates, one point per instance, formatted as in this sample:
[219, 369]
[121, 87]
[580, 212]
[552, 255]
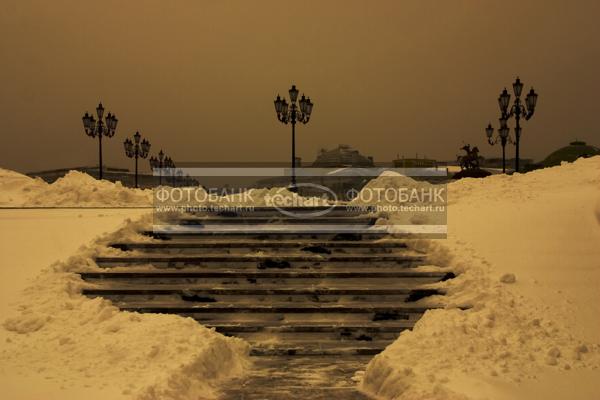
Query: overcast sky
[198, 77]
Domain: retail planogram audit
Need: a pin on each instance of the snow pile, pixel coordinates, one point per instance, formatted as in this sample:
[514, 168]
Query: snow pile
[390, 190]
[503, 336]
[68, 337]
[526, 248]
[16, 188]
[80, 189]
[74, 189]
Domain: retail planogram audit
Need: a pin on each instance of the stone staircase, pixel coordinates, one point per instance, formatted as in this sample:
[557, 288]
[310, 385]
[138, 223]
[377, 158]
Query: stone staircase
[312, 300]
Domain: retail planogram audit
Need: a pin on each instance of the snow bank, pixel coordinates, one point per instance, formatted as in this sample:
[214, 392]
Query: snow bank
[383, 192]
[80, 189]
[527, 249]
[61, 335]
[74, 189]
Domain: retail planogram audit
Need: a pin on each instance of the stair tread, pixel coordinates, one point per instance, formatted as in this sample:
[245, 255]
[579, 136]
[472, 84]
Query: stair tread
[329, 343]
[285, 326]
[354, 347]
[332, 207]
[279, 273]
[362, 307]
[336, 229]
[225, 289]
[273, 219]
[254, 257]
[273, 289]
[264, 243]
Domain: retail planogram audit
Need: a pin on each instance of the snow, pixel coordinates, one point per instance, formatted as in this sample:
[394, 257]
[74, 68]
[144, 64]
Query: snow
[77, 345]
[392, 189]
[56, 343]
[75, 189]
[527, 248]
[51, 235]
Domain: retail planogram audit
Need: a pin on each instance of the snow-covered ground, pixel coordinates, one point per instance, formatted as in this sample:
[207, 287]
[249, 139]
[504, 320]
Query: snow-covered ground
[57, 344]
[528, 248]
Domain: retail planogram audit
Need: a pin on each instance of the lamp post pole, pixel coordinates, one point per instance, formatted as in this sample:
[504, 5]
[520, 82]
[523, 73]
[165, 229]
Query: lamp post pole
[293, 113]
[503, 137]
[170, 165]
[136, 149]
[161, 162]
[93, 128]
[518, 110]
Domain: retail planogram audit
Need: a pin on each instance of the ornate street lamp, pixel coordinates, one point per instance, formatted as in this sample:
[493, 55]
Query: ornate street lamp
[518, 110]
[100, 128]
[292, 113]
[136, 149]
[159, 163]
[170, 166]
[503, 137]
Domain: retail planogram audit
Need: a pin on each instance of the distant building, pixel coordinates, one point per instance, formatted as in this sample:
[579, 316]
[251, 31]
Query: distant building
[570, 153]
[414, 162]
[342, 156]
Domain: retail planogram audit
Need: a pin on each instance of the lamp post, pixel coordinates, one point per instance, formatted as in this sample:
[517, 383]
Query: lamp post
[518, 110]
[179, 177]
[503, 137]
[170, 166]
[292, 113]
[160, 162]
[100, 128]
[136, 150]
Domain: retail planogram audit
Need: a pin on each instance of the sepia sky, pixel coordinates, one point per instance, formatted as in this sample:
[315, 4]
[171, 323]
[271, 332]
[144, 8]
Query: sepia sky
[198, 77]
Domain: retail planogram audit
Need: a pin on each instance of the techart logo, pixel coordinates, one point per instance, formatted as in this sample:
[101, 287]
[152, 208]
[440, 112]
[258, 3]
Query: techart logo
[320, 201]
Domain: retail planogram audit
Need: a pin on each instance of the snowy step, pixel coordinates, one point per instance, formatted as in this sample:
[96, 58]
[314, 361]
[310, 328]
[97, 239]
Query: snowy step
[267, 261]
[281, 220]
[349, 337]
[267, 274]
[314, 211]
[317, 333]
[304, 286]
[260, 295]
[332, 318]
[177, 307]
[270, 244]
[253, 327]
[265, 234]
[189, 290]
[323, 348]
